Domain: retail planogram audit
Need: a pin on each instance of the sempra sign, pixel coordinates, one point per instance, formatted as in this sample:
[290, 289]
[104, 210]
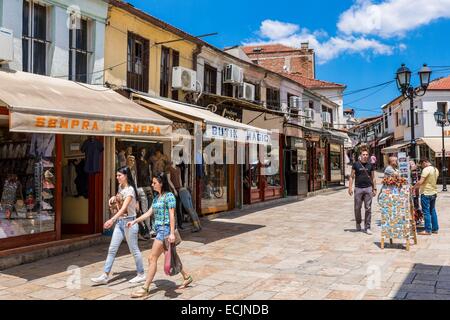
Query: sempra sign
[25, 122]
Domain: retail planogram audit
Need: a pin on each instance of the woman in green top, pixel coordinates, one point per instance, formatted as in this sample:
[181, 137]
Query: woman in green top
[163, 207]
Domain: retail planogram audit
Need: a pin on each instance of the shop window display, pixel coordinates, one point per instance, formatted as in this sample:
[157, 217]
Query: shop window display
[336, 166]
[214, 184]
[27, 182]
[271, 167]
[145, 159]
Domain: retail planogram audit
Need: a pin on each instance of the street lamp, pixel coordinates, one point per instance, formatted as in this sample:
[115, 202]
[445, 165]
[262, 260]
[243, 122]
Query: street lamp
[443, 120]
[403, 78]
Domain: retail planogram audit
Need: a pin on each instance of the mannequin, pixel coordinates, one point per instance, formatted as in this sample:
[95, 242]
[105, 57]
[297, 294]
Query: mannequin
[129, 151]
[183, 196]
[142, 202]
[143, 170]
[131, 163]
[122, 158]
[159, 162]
[174, 179]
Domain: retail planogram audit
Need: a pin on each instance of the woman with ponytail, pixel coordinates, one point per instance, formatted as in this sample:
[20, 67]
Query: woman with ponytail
[127, 213]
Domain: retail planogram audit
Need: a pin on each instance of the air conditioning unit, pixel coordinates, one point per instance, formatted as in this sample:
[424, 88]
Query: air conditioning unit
[295, 102]
[233, 74]
[184, 79]
[326, 117]
[309, 114]
[247, 91]
[6, 45]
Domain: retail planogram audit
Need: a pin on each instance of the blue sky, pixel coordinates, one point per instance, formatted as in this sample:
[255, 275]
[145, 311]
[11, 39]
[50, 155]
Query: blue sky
[359, 43]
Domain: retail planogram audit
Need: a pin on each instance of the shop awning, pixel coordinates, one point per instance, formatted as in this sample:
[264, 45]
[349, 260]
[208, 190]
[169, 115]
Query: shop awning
[384, 140]
[347, 141]
[394, 148]
[217, 127]
[435, 144]
[50, 105]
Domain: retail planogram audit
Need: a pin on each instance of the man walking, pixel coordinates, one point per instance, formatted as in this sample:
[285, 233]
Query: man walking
[365, 189]
[428, 195]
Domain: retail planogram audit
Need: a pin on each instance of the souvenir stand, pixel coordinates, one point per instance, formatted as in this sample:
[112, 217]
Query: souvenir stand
[395, 200]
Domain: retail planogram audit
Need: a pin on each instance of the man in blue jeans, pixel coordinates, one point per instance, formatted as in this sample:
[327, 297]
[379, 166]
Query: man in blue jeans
[428, 195]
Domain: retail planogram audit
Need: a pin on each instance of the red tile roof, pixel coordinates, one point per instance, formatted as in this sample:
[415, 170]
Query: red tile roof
[269, 48]
[440, 84]
[314, 83]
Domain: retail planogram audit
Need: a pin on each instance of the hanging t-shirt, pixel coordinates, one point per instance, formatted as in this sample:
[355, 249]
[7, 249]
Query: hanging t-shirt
[92, 149]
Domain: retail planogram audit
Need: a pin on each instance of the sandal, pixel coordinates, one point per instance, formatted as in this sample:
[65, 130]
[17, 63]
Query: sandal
[187, 281]
[141, 293]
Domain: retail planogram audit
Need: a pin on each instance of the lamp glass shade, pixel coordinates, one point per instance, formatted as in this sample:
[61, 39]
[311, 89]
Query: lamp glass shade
[439, 117]
[403, 77]
[425, 75]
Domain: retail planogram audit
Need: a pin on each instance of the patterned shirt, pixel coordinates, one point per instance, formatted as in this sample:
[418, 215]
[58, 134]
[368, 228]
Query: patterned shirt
[161, 205]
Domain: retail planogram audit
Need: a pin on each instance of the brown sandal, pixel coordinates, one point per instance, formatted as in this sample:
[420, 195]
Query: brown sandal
[187, 281]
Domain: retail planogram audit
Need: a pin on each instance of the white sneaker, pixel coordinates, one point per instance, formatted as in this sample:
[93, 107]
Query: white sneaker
[138, 279]
[369, 232]
[103, 279]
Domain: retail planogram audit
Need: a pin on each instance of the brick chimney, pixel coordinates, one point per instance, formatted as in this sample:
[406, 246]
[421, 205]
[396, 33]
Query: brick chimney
[284, 59]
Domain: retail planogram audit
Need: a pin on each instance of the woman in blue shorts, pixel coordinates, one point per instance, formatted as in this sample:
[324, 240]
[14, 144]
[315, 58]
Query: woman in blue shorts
[163, 207]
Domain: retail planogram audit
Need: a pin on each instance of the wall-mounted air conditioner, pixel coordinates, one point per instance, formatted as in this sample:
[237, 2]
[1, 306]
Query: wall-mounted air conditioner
[309, 114]
[6, 45]
[184, 79]
[295, 102]
[233, 74]
[247, 91]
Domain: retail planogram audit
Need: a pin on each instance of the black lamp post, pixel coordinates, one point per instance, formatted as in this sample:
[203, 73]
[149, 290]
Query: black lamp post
[403, 78]
[443, 120]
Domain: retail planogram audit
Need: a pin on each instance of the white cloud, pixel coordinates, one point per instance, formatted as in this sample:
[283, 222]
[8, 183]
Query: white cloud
[275, 30]
[326, 48]
[362, 29]
[391, 18]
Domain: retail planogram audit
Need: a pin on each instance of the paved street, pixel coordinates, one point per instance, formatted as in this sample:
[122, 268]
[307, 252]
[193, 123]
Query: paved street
[303, 250]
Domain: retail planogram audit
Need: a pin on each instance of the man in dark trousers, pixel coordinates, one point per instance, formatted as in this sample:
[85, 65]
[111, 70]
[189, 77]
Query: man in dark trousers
[365, 189]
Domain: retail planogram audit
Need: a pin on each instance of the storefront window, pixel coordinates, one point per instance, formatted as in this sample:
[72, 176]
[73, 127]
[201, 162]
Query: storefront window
[145, 159]
[271, 170]
[336, 166]
[27, 183]
[302, 160]
[214, 182]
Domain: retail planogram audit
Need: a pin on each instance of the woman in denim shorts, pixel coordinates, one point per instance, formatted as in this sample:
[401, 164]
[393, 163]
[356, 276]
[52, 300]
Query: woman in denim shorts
[163, 207]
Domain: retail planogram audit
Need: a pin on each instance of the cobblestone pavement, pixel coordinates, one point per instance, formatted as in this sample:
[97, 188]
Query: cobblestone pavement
[303, 250]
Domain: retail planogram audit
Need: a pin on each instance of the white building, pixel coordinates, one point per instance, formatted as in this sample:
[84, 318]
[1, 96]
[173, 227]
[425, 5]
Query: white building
[428, 133]
[58, 38]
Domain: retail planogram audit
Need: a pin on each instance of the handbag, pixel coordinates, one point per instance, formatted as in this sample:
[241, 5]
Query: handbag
[172, 262]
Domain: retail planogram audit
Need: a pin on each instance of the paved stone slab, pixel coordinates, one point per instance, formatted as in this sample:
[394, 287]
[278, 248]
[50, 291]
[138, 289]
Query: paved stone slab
[303, 250]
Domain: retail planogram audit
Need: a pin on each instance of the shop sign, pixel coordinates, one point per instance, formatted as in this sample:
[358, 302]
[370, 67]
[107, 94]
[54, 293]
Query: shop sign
[22, 122]
[335, 148]
[258, 137]
[218, 132]
[230, 112]
[439, 154]
[233, 134]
